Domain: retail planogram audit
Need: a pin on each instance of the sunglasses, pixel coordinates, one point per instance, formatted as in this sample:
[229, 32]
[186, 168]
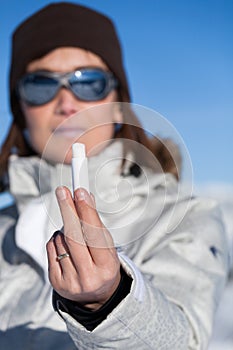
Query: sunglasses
[87, 84]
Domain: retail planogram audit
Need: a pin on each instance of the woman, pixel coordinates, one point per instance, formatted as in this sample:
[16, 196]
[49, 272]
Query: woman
[125, 273]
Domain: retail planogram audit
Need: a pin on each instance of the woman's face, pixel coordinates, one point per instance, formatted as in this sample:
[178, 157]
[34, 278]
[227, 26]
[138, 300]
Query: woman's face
[50, 126]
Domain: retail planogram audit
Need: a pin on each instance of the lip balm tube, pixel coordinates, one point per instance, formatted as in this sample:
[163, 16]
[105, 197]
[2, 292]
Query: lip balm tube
[79, 167]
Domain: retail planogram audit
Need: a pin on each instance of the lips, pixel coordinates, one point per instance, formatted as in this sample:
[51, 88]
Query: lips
[68, 132]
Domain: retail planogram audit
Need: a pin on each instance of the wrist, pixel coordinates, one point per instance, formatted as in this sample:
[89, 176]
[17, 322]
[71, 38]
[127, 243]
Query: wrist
[103, 297]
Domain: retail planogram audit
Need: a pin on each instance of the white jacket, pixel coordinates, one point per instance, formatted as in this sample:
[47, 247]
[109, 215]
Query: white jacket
[173, 246]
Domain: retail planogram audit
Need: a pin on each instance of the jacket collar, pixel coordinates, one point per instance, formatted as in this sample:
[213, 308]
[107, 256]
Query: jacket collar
[32, 177]
[124, 203]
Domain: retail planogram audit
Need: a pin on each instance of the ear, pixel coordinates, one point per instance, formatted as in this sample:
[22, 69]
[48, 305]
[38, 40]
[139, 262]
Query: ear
[117, 113]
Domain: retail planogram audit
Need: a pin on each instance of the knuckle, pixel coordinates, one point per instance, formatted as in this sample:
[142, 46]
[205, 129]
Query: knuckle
[89, 286]
[58, 240]
[54, 280]
[49, 246]
[71, 283]
[73, 236]
[108, 276]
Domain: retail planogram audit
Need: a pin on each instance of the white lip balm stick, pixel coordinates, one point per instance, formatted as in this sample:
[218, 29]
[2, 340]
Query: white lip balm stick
[79, 167]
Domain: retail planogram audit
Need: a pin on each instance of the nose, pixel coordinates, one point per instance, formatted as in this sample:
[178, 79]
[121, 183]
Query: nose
[66, 103]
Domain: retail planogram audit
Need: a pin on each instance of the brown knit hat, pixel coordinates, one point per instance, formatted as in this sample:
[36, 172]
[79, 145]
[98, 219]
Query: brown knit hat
[64, 24]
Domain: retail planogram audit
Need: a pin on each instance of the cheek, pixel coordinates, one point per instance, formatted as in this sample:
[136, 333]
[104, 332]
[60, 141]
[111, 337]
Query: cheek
[37, 123]
[35, 116]
[102, 113]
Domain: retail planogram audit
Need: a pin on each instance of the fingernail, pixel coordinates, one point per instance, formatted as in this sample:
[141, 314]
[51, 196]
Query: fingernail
[56, 233]
[61, 193]
[82, 195]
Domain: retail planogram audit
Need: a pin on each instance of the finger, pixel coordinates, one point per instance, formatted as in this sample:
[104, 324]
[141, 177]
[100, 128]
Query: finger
[93, 200]
[55, 271]
[73, 233]
[62, 273]
[63, 257]
[72, 225]
[97, 237]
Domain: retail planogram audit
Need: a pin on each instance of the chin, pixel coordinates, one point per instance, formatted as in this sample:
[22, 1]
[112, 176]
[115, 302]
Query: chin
[57, 154]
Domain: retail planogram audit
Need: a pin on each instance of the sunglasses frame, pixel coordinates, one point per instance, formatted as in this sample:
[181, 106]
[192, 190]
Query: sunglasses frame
[63, 81]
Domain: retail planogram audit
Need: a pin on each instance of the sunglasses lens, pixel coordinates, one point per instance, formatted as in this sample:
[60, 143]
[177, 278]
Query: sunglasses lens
[86, 84]
[37, 89]
[90, 85]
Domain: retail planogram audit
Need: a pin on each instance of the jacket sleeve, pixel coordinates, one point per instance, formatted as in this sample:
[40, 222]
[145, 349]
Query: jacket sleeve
[177, 284]
[90, 319]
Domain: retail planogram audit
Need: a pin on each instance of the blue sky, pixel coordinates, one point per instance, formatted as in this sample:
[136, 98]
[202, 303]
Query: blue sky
[179, 60]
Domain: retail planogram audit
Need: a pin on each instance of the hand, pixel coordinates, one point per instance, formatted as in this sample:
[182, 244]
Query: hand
[91, 273]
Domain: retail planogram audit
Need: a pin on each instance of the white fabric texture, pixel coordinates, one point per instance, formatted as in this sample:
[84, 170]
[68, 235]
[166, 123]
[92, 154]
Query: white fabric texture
[173, 246]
